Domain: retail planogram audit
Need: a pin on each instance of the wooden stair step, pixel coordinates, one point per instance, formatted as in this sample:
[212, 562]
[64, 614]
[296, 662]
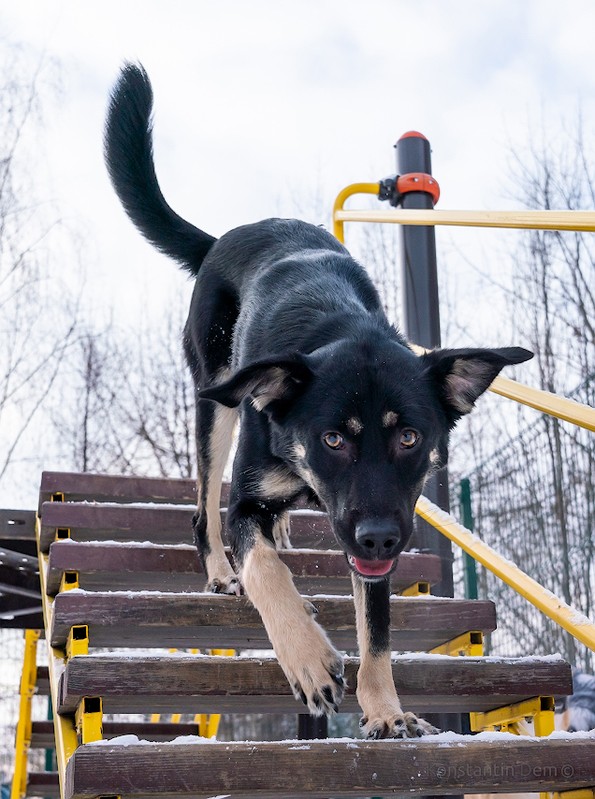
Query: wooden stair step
[162, 524]
[76, 486]
[19, 588]
[184, 683]
[158, 619]
[16, 525]
[43, 784]
[164, 567]
[43, 681]
[442, 765]
[42, 735]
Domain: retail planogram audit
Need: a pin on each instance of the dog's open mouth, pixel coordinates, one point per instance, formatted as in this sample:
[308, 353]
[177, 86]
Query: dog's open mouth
[370, 568]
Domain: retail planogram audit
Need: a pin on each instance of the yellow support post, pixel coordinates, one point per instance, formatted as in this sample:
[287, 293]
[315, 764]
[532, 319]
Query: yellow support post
[89, 719]
[69, 581]
[208, 723]
[466, 645]
[420, 588]
[64, 728]
[78, 641]
[540, 710]
[580, 793]
[23, 732]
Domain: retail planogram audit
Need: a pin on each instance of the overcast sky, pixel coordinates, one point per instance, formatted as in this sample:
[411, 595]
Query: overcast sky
[265, 107]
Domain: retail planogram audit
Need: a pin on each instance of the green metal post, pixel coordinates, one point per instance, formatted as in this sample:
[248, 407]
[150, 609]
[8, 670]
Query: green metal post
[469, 573]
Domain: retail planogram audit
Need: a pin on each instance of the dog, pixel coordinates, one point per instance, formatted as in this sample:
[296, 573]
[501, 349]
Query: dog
[286, 331]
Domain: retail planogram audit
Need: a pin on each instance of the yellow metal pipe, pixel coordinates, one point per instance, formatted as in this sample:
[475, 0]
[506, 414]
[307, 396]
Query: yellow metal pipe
[342, 196]
[571, 620]
[583, 221]
[561, 407]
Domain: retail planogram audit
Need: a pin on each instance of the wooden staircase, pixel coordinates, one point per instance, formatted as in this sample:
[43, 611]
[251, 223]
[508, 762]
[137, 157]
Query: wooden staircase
[120, 573]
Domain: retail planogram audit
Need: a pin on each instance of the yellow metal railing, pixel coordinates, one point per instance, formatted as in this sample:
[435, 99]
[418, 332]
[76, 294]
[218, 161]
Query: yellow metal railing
[556, 609]
[571, 620]
[584, 221]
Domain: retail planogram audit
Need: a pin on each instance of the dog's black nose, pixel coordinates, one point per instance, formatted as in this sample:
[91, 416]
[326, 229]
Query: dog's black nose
[378, 539]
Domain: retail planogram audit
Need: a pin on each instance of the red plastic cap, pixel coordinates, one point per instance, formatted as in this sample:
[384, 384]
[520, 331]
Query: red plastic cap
[413, 134]
[419, 181]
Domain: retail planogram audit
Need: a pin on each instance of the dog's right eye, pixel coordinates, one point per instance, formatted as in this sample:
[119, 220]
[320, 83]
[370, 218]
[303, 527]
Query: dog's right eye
[334, 440]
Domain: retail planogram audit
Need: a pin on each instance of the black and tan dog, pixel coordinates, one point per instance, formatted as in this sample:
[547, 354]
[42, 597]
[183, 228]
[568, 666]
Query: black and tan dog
[287, 332]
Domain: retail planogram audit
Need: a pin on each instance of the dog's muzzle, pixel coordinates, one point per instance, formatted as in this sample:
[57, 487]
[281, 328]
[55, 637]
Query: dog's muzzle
[378, 544]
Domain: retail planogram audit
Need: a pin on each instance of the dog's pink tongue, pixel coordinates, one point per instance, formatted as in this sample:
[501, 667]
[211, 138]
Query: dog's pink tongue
[373, 568]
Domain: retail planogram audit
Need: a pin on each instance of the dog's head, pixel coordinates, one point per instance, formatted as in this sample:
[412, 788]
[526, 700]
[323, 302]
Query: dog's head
[364, 425]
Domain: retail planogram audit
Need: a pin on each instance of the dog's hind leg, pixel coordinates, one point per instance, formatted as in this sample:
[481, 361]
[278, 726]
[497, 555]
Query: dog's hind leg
[214, 431]
[281, 531]
[376, 693]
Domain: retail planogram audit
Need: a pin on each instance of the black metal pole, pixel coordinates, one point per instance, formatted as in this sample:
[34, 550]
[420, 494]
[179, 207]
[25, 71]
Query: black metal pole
[422, 326]
[422, 320]
[312, 727]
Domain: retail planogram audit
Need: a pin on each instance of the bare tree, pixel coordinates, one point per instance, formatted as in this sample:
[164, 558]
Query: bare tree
[37, 320]
[128, 402]
[534, 496]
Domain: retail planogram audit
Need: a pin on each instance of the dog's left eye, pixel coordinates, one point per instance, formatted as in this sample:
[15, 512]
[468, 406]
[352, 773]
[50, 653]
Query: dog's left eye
[334, 440]
[408, 439]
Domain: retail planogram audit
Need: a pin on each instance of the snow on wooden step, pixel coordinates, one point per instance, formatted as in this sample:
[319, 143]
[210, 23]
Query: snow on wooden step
[117, 565]
[444, 764]
[186, 683]
[158, 619]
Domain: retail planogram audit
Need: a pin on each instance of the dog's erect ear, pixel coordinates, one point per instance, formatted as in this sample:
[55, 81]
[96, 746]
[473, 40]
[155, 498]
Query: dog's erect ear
[274, 380]
[461, 376]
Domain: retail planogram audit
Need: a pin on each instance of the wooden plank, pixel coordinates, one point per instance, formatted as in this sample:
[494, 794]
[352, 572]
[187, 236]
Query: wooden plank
[42, 732]
[157, 619]
[43, 681]
[31, 621]
[20, 605]
[173, 568]
[158, 523]
[17, 525]
[334, 767]
[43, 784]
[183, 683]
[76, 486]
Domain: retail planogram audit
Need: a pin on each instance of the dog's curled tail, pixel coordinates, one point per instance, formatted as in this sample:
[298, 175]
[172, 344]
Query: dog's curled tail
[129, 158]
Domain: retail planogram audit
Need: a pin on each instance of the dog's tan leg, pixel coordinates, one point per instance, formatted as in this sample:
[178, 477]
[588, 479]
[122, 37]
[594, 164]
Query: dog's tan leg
[383, 716]
[213, 453]
[312, 665]
[281, 531]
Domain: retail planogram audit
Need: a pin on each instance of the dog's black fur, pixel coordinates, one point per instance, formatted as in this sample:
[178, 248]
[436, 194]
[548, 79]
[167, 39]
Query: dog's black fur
[286, 326]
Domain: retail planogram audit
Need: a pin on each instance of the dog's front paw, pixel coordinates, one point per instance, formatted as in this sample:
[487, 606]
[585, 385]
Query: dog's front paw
[312, 666]
[228, 584]
[320, 684]
[397, 725]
